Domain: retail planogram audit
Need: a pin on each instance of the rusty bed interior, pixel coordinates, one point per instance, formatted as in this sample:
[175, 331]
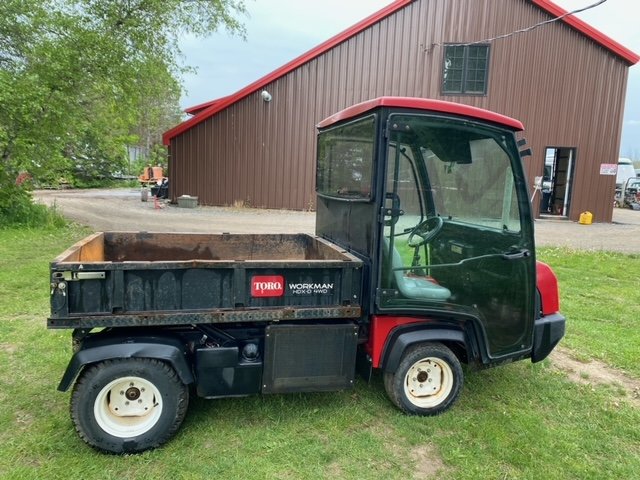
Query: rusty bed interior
[165, 247]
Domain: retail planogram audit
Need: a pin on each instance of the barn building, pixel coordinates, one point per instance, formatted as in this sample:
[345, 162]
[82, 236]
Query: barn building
[563, 79]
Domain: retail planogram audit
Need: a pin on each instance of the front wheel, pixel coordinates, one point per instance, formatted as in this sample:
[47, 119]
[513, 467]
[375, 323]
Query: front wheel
[428, 380]
[128, 405]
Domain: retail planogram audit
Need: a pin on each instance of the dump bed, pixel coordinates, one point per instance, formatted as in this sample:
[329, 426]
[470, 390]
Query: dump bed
[133, 279]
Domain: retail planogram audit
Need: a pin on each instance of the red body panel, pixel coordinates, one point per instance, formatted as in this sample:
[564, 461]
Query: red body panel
[380, 329]
[547, 284]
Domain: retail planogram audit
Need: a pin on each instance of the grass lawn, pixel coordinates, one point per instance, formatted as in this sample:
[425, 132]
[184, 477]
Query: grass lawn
[516, 421]
[600, 296]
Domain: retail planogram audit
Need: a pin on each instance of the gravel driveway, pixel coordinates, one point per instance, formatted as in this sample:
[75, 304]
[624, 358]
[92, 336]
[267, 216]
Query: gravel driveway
[123, 210]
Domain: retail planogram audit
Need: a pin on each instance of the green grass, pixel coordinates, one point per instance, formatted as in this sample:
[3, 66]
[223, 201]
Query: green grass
[600, 296]
[519, 421]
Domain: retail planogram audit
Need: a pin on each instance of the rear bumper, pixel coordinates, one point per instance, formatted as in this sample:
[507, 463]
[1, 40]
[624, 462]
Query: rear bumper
[547, 332]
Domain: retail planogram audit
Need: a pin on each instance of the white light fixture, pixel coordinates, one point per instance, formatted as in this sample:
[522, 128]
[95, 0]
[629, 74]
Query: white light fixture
[266, 96]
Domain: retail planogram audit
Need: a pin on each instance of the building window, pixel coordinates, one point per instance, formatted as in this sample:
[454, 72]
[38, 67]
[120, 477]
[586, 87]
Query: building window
[465, 69]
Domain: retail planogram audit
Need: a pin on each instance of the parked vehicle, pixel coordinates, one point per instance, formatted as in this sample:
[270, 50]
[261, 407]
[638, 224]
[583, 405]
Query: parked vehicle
[423, 259]
[625, 171]
[628, 195]
[152, 176]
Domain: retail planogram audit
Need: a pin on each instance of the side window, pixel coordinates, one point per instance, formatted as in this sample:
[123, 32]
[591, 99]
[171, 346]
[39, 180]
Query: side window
[345, 160]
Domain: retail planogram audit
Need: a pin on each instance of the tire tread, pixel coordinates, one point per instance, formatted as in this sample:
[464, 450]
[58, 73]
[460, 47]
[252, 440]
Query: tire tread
[83, 384]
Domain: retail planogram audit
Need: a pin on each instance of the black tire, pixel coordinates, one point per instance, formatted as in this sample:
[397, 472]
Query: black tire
[428, 380]
[128, 405]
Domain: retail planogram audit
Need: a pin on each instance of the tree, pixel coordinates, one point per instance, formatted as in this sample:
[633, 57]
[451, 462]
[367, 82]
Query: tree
[81, 79]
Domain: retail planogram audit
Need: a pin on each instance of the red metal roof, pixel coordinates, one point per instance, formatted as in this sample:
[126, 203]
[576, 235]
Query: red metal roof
[196, 109]
[282, 71]
[587, 30]
[422, 104]
[208, 109]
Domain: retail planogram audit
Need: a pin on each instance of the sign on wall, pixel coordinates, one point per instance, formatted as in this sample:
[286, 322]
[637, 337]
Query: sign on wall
[608, 169]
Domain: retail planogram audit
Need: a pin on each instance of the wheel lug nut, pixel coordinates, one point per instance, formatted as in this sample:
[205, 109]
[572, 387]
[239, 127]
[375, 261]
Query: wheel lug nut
[122, 392]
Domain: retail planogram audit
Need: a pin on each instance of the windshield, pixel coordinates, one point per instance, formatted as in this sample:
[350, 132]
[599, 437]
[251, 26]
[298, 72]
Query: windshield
[467, 170]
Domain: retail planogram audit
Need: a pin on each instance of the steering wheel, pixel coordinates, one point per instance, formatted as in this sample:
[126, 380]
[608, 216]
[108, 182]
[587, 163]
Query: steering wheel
[426, 230]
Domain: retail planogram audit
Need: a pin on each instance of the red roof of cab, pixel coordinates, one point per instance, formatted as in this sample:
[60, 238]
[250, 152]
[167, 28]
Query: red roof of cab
[209, 109]
[423, 104]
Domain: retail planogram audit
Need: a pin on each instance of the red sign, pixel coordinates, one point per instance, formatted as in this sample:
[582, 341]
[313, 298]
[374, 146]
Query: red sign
[267, 286]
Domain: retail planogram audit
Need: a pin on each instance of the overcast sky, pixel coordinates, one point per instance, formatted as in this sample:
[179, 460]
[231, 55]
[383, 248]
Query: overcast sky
[280, 30]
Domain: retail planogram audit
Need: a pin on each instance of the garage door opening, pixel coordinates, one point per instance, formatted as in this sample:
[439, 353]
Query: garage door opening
[557, 179]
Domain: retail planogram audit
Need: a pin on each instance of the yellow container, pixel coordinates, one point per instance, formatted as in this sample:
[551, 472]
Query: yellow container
[586, 218]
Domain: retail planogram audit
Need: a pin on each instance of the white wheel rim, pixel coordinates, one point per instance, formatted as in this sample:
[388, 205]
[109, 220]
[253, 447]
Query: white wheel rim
[128, 407]
[428, 382]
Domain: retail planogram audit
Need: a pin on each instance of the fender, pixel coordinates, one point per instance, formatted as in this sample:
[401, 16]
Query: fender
[159, 349]
[398, 345]
[547, 284]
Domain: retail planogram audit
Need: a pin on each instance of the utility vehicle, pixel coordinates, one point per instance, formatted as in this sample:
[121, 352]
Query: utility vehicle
[423, 259]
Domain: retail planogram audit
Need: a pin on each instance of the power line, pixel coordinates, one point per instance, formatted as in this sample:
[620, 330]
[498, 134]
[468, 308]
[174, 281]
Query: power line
[523, 30]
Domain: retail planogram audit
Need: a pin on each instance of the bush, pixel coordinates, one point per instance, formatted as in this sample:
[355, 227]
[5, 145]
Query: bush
[17, 207]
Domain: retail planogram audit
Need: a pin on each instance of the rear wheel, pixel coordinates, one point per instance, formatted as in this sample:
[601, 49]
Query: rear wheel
[428, 380]
[128, 405]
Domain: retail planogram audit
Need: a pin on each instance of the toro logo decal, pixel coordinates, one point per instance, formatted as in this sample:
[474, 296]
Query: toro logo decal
[267, 286]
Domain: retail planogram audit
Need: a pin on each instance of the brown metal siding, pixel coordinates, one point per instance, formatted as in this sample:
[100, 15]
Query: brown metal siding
[568, 91]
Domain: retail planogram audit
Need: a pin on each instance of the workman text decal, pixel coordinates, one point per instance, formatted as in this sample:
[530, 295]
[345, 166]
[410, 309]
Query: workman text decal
[311, 288]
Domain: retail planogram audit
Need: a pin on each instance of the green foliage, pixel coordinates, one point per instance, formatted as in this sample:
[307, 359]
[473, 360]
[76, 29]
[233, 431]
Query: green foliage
[518, 421]
[18, 209]
[82, 79]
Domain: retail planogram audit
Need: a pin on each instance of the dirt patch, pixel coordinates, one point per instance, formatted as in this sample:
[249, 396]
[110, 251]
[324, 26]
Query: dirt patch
[335, 471]
[8, 348]
[425, 459]
[23, 420]
[595, 372]
[428, 463]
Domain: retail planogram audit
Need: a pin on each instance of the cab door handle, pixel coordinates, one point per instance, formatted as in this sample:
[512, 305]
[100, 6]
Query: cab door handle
[523, 253]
